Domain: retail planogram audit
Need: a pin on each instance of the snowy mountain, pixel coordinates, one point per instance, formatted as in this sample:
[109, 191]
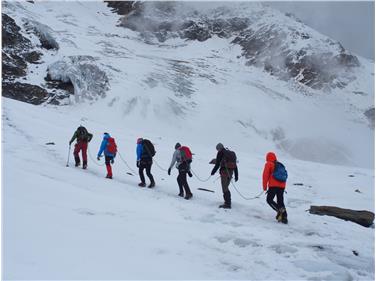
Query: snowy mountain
[198, 73]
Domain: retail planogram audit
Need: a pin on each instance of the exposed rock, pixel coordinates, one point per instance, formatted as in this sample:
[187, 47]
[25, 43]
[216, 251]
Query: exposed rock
[44, 33]
[123, 7]
[364, 218]
[287, 51]
[370, 114]
[24, 92]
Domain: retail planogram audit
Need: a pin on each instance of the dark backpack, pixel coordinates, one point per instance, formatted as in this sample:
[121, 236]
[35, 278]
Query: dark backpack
[82, 134]
[280, 172]
[111, 146]
[148, 148]
[229, 159]
[186, 154]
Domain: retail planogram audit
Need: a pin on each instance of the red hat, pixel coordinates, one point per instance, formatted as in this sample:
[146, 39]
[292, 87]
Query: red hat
[139, 140]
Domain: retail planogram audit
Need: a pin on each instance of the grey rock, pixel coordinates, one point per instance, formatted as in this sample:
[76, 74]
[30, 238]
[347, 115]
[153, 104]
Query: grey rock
[364, 218]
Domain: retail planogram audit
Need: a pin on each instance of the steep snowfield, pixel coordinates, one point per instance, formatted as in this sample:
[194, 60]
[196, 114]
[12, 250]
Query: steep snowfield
[204, 88]
[67, 223]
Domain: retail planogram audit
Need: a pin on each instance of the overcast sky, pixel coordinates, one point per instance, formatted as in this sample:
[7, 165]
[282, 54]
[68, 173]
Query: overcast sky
[351, 23]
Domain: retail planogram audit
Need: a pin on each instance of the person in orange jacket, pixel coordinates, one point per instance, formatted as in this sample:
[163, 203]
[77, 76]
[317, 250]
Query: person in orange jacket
[274, 188]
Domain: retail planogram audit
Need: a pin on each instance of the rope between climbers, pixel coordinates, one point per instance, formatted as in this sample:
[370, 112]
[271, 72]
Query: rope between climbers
[125, 162]
[92, 159]
[199, 177]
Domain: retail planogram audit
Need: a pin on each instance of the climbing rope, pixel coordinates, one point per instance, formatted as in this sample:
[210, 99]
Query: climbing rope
[241, 195]
[92, 159]
[205, 180]
[126, 163]
[159, 166]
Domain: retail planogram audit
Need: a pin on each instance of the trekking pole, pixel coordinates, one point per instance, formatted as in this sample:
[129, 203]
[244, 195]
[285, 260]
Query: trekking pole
[68, 156]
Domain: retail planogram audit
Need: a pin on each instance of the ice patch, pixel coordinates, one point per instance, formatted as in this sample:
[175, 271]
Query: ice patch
[89, 81]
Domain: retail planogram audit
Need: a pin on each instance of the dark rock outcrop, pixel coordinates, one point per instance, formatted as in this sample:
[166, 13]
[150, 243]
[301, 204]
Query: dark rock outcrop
[279, 49]
[24, 92]
[370, 114]
[17, 53]
[364, 218]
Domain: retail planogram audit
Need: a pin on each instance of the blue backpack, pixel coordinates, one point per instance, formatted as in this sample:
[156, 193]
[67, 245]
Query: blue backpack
[280, 172]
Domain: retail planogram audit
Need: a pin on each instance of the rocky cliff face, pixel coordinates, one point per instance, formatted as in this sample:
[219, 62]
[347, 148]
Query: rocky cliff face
[17, 53]
[279, 44]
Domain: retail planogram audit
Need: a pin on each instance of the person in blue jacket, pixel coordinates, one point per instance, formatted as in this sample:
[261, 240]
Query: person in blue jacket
[145, 161]
[108, 147]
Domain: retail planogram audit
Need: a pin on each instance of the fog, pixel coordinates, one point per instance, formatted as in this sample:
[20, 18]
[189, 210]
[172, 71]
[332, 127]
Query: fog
[350, 23]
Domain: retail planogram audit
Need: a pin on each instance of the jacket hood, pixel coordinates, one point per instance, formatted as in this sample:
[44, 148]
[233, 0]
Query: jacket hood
[270, 157]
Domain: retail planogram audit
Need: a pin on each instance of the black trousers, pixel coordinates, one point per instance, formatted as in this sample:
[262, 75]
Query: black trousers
[272, 192]
[145, 164]
[182, 179]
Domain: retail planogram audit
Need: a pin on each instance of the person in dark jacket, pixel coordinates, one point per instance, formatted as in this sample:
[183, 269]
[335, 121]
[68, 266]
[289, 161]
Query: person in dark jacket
[108, 156]
[184, 169]
[274, 188]
[226, 173]
[83, 138]
[144, 161]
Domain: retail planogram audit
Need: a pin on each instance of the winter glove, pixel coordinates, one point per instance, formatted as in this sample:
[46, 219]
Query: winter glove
[169, 171]
[236, 178]
[112, 161]
[189, 174]
[212, 173]
[70, 143]
[98, 158]
[138, 164]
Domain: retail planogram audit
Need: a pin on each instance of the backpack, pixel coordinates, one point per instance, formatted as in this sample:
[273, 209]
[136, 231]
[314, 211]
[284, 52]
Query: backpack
[229, 159]
[186, 154]
[280, 172]
[148, 148]
[82, 134]
[111, 146]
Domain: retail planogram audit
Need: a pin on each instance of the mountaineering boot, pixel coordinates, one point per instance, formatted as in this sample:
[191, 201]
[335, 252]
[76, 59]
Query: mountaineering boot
[108, 177]
[181, 194]
[77, 160]
[188, 196]
[141, 184]
[224, 206]
[152, 184]
[277, 216]
[227, 198]
[284, 217]
[84, 165]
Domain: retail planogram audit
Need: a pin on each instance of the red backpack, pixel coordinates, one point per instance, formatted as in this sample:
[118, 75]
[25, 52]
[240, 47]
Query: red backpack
[186, 154]
[111, 146]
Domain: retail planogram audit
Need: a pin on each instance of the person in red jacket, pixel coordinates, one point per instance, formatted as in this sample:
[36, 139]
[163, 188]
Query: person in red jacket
[274, 188]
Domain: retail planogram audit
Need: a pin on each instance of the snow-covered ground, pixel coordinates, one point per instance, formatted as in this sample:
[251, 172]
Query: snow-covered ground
[67, 223]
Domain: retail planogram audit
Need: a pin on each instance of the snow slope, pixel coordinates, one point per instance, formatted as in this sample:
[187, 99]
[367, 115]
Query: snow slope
[67, 223]
[204, 87]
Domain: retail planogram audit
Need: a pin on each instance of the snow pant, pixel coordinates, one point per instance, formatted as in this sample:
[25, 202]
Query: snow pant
[272, 192]
[107, 161]
[145, 164]
[182, 179]
[81, 145]
[226, 176]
